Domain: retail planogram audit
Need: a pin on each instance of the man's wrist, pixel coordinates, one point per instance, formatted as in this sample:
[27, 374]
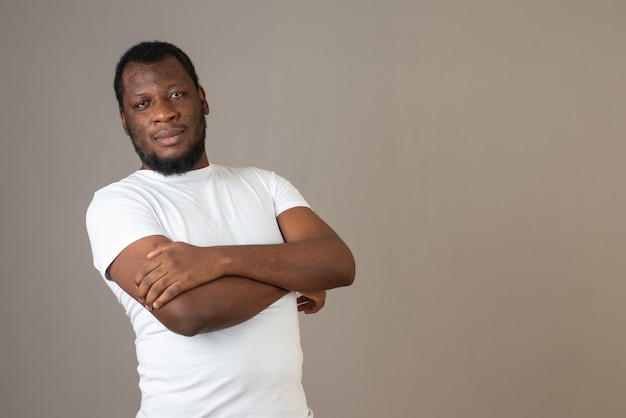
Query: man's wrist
[225, 262]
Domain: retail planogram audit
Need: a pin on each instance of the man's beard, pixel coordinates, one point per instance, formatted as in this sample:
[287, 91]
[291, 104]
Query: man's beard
[175, 165]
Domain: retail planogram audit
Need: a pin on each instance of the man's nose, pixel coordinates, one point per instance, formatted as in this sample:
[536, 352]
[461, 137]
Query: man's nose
[163, 111]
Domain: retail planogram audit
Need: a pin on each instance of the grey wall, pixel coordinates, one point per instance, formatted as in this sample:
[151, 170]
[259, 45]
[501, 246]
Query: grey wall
[471, 153]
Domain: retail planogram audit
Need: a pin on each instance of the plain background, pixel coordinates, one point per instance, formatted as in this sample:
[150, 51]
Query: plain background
[470, 153]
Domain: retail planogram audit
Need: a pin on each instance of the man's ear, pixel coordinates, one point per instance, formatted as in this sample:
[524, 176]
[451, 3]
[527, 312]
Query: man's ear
[205, 104]
[123, 117]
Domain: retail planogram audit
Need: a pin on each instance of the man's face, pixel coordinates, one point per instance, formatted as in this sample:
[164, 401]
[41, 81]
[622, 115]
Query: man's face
[164, 114]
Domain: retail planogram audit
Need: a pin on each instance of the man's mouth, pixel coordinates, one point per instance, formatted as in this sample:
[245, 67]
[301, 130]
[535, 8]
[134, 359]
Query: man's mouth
[169, 137]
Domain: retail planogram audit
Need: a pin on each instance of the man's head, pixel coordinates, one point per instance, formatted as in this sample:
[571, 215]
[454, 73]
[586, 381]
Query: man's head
[162, 107]
[148, 52]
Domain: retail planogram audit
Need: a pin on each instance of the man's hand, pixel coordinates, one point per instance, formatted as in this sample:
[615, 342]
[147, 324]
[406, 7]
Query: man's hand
[173, 268]
[311, 302]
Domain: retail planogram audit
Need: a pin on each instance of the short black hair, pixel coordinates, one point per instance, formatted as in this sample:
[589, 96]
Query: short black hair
[149, 52]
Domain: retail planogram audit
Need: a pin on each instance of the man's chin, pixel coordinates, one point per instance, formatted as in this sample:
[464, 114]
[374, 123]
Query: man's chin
[168, 168]
[171, 166]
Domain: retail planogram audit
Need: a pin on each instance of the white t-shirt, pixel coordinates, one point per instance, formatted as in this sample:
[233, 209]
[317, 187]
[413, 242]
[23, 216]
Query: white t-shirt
[253, 369]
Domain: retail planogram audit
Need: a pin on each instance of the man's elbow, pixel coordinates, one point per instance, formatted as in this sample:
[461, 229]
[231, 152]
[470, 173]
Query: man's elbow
[188, 328]
[348, 270]
[177, 318]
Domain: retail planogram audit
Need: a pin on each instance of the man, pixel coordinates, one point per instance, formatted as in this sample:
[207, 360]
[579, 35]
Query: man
[206, 259]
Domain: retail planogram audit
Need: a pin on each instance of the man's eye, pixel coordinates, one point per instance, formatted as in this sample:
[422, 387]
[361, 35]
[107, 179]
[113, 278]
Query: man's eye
[141, 105]
[177, 94]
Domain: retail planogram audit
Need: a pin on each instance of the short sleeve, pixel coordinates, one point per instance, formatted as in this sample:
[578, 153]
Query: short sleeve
[115, 219]
[285, 194]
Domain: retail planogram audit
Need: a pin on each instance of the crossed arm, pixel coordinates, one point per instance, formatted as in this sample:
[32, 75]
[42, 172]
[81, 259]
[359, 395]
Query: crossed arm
[194, 289]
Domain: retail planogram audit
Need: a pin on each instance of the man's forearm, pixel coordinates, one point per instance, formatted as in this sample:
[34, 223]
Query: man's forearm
[219, 304]
[308, 265]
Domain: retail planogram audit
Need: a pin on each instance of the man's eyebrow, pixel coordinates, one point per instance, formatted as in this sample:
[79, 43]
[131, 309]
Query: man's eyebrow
[177, 84]
[170, 86]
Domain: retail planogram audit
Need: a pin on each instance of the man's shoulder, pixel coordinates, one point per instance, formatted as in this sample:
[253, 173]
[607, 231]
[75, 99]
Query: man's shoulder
[131, 186]
[269, 178]
[237, 169]
[245, 172]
